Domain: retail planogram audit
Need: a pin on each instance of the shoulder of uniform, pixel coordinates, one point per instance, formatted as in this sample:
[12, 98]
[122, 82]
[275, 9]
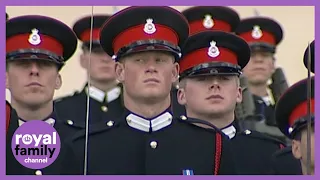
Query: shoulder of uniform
[73, 124]
[261, 136]
[283, 152]
[94, 128]
[198, 123]
[67, 97]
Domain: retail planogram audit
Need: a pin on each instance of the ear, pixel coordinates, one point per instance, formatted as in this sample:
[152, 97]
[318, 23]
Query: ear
[119, 68]
[84, 61]
[175, 72]
[181, 96]
[58, 82]
[239, 94]
[7, 81]
[296, 149]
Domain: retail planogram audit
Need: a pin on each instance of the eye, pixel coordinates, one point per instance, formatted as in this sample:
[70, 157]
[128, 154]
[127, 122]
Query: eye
[160, 60]
[45, 64]
[224, 78]
[202, 78]
[138, 60]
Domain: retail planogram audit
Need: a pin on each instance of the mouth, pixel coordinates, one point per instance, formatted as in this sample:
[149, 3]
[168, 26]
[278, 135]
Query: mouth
[151, 80]
[258, 69]
[215, 97]
[34, 84]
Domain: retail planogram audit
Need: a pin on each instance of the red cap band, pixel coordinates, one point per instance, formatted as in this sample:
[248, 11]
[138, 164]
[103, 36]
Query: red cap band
[137, 33]
[201, 56]
[300, 110]
[47, 43]
[266, 38]
[85, 36]
[197, 26]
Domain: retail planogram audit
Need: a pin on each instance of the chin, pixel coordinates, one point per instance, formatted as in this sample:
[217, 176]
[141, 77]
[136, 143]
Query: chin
[152, 94]
[258, 80]
[106, 77]
[214, 109]
[34, 103]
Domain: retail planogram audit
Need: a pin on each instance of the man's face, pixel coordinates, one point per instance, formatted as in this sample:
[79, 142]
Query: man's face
[147, 75]
[299, 148]
[210, 95]
[32, 82]
[102, 66]
[260, 67]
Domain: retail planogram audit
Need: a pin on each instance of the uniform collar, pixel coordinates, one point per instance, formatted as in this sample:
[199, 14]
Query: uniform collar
[267, 100]
[230, 130]
[51, 119]
[102, 96]
[157, 123]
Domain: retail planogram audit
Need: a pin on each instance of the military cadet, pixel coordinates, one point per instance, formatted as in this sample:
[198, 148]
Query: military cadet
[292, 117]
[32, 76]
[104, 90]
[147, 139]
[283, 160]
[306, 57]
[212, 18]
[209, 88]
[204, 18]
[263, 35]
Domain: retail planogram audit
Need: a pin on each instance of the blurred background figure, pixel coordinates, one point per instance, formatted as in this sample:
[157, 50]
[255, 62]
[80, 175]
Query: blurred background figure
[263, 35]
[104, 90]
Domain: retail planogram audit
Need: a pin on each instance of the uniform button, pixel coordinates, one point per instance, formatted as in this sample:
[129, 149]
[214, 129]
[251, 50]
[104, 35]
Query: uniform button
[38, 173]
[104, 108]
[51, 122]
[183, 117]
[70, 122]
[247, 132]
[110, 123]
[153, 144]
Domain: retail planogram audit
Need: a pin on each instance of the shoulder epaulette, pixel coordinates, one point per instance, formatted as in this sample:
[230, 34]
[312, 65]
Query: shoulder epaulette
[261, 136]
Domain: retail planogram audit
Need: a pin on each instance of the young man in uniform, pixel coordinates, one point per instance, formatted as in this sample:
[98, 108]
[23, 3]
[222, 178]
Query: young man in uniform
[147, 139]
[292, 117]
[104, 90]
[204, 18]
[284, 161]
[32, 76]
[209, 88]
[263, 35]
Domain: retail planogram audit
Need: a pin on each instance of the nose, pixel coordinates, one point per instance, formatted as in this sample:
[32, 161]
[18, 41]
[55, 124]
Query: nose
[214, 84]
[256, 58]
[34, 69]
[150, 66]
